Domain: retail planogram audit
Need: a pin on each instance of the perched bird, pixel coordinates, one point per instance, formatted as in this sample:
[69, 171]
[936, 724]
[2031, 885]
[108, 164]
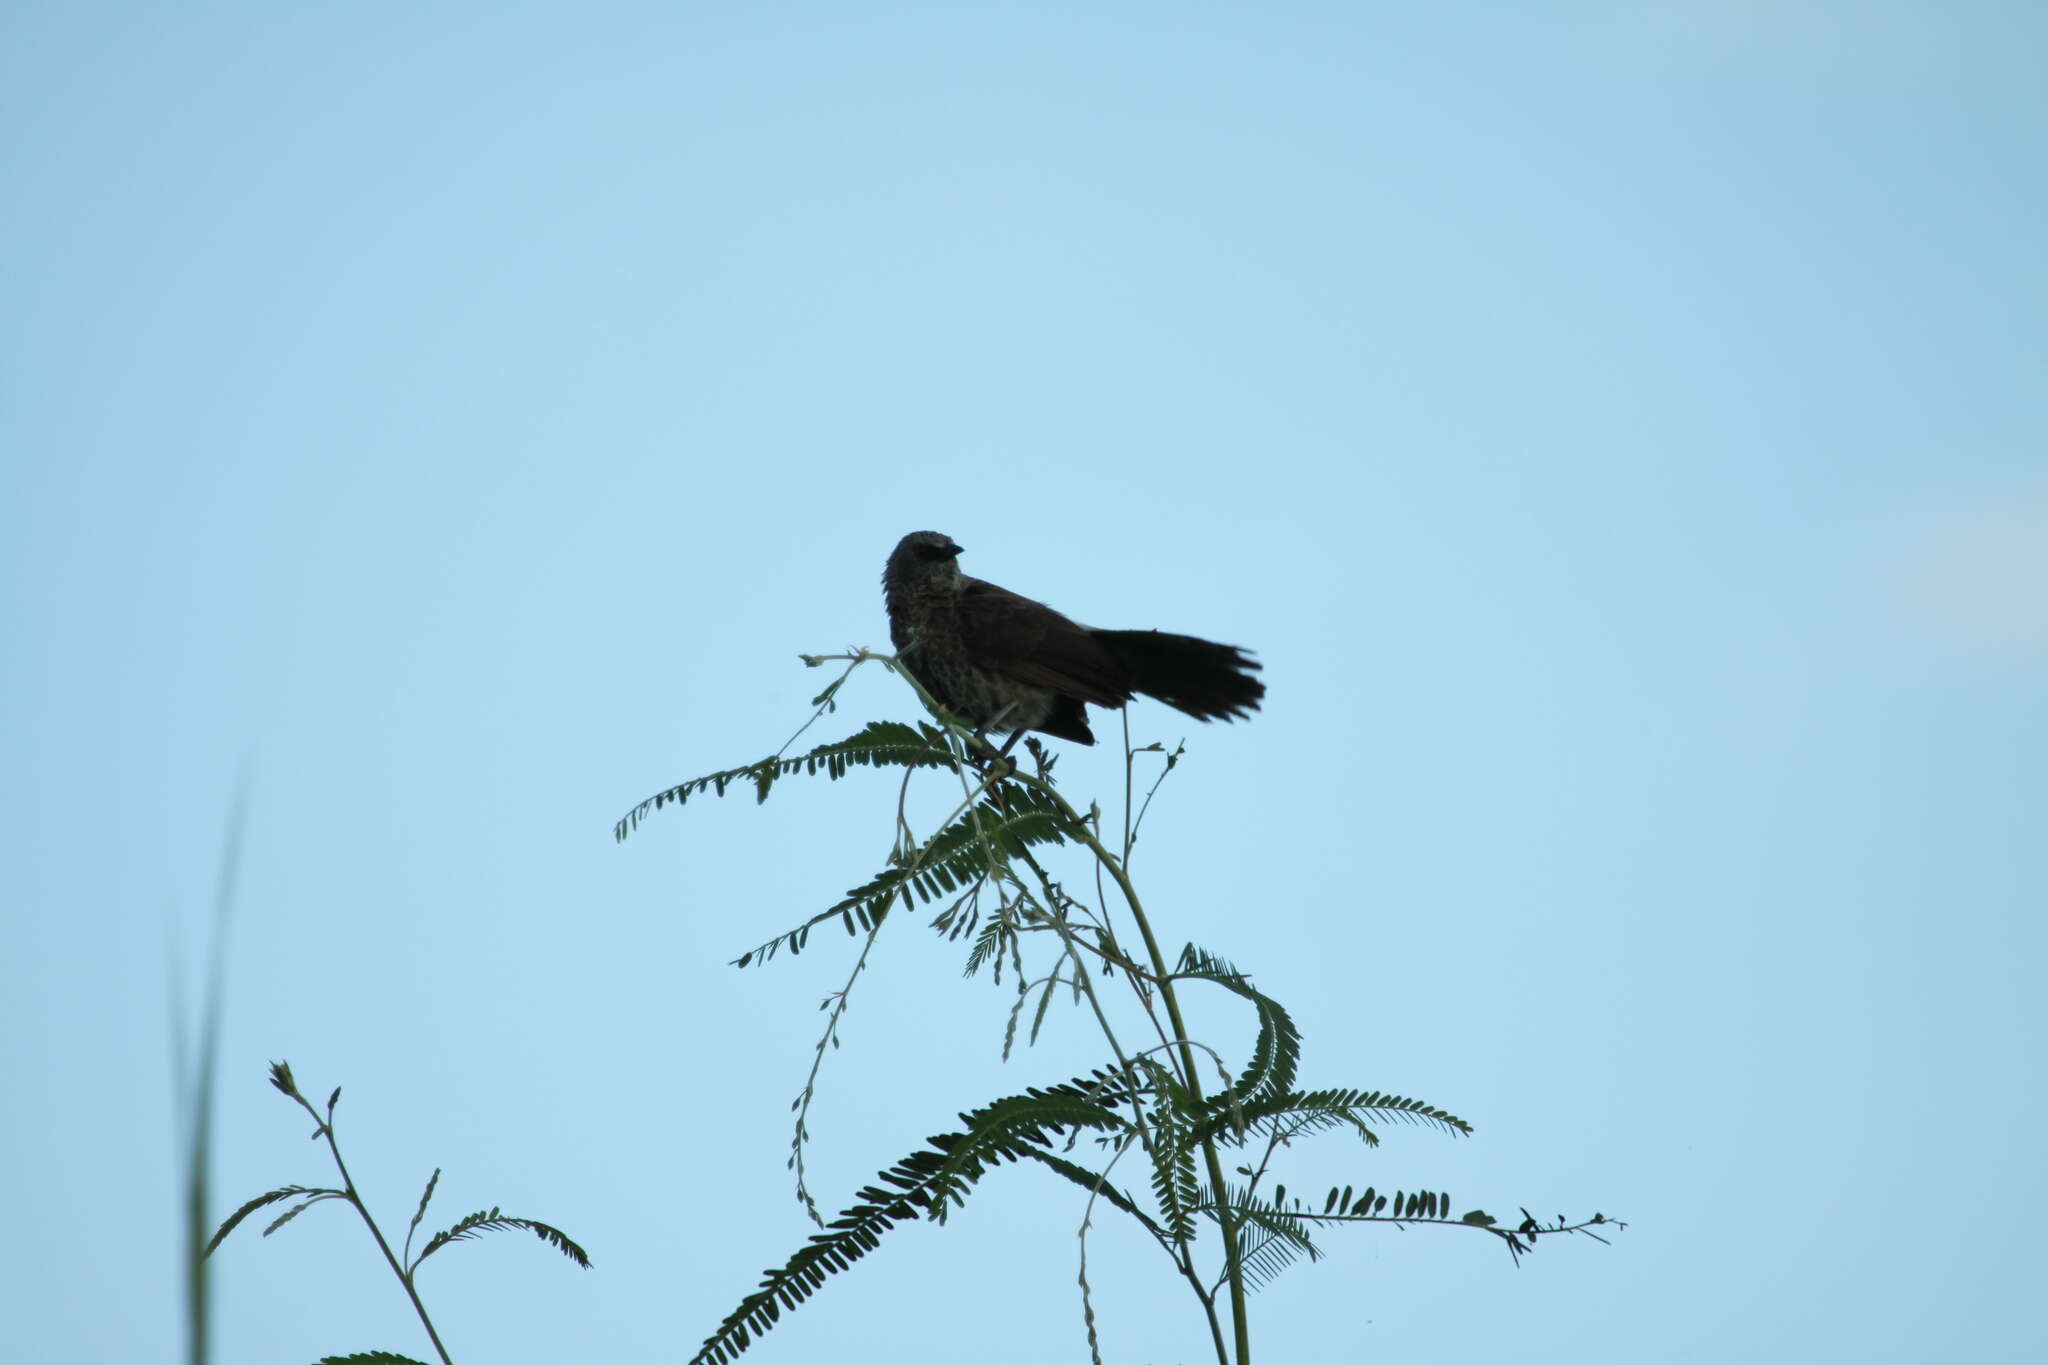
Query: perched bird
[1008, 663]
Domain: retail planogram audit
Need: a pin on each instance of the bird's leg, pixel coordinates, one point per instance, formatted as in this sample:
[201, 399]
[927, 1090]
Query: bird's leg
[997, 756]
[981, 731]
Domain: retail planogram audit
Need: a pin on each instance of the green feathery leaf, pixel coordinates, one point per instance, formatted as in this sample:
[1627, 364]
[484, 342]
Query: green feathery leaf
[999, 1127]
[1307, 1111]
[926, 1183]
[1272, 1235]
[426, 1196]
[492, 1221]
[882, 744]
[297, 1209]
[260, 1201]
[1432, 1206]
[1174, 1182]
[1277, 1050]
[957, 857]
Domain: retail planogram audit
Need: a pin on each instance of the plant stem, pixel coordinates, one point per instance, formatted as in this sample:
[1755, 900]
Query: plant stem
[1240, 1319]
[348, 1184]
[1183, 1257]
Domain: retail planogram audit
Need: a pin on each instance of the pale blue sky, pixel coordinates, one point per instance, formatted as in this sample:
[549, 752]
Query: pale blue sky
[1619, 429]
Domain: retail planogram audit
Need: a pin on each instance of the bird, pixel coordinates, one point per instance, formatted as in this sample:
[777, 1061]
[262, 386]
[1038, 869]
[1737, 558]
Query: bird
[1007, 663]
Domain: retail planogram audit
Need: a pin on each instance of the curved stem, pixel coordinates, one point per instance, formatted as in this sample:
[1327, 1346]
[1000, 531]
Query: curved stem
[348, 1186]
[1181, 1253]
[1240, 1320]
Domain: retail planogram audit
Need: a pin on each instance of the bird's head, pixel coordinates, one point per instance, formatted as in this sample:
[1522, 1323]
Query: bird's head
[924, 557]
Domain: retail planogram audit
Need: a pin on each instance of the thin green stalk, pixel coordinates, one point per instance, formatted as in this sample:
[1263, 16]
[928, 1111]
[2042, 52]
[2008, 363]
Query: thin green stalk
[348, 1183]
[1239, 1309]
[805, 1096]
[350, 1193]
[1184, 1254]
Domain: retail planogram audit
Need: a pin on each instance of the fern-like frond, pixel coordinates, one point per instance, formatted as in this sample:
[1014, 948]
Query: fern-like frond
[1174, 1183]
[928, 1182]
[297, 1209]
[1276, 1052]
[963, 916]
[1010, 1126]
[1270, 1236]
[494, 1221]
[1398, 1207]
[956, 858]
[883, 744]
[263, 1201]
[996, 937]
[1306, 1111]
[846, 1239]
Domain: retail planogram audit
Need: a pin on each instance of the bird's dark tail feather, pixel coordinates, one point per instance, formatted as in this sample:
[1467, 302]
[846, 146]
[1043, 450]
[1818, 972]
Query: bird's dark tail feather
[1207, 680]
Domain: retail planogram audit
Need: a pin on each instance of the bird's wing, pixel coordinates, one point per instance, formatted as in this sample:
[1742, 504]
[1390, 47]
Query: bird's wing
[1034, 644]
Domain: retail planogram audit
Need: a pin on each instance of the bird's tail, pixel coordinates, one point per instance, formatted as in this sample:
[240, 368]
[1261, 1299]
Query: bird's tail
[1207, 680]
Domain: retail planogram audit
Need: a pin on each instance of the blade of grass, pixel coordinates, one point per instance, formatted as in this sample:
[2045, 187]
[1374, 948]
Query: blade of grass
[194, 1065]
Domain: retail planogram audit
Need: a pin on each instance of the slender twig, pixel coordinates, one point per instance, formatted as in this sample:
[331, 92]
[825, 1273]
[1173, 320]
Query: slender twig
[824, 700]
[1226, 1220]
[281, 1077]
[1529, 1229]
[1130, 759]
[1081, 1235]
[810, 1089]
[1183, 1250]
[1152, 791]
